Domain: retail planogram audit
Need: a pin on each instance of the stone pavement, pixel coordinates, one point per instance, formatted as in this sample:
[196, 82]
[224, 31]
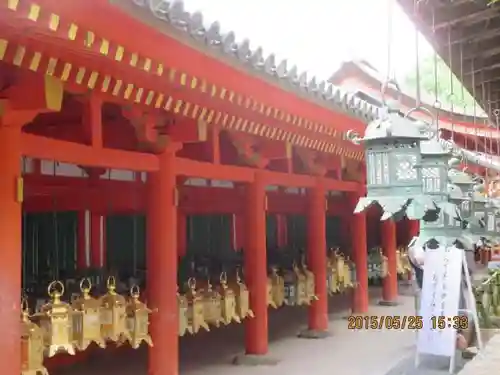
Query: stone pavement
[344, 352]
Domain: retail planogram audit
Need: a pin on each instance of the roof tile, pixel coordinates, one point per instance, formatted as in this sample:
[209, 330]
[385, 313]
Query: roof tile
[210, 36]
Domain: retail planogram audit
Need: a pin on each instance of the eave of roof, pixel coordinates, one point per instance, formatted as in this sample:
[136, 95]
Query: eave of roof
[368, 71]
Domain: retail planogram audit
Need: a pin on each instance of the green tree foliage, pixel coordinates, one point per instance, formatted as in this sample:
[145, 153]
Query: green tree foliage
[428, 85]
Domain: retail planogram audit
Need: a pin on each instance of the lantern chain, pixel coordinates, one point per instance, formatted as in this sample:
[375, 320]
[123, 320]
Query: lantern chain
[464, 104]
[451, 96]
[417, 56]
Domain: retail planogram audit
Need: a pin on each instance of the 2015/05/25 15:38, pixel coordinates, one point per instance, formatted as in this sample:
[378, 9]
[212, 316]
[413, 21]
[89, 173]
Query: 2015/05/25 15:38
[399, 322]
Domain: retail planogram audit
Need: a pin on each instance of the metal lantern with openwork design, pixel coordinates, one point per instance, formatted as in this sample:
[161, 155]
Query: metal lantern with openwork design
[31, 345]
[113, 314]
[477, 222]
[87, 318]
[137, 319]
[465, 183]
[490, 221]
[394, 181]
[55, 321]
[443, 223]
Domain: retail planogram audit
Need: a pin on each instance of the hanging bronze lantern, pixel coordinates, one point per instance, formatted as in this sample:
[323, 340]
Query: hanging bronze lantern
[269, 290]
[399, 262]
[310, 283]
[196, 308]
[331, 274]
[354, 277]
[212, 306]
[183, 315]
[278, 288]
[384, 265]
[228, 301]
[242, 298]
[113, 314]
[137, 320]
[348, 283]
[340, 269]
[392, 147]
[32, 345]
[87, 318]
[55, 321]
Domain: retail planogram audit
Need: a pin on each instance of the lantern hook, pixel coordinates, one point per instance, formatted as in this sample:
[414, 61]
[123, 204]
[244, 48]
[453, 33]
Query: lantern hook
[55, 290]
[192, 283]
[223, 279]
[85, 286]
[385, 87]
[238, 277]
[111, 285]
[25, 310]
[135, 292]
[353, 137]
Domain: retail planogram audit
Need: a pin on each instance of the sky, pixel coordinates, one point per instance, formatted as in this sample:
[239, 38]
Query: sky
[318, 35]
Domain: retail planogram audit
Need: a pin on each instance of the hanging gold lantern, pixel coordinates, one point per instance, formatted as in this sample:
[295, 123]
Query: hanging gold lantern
[339, 263]
[113, 314]
[405, 259]
[384, 265]
[242, 298]
[348, 283]
[334, 284]
[137, 319]
[270, 299]
[31, 345]
[55, 321]
[183, 315]
[399, 262]
[331, 273]
[310, 290]
[212, 306]
[277, 288]
[87, 318]
[291, 282]
[196, 308]
[228, 301]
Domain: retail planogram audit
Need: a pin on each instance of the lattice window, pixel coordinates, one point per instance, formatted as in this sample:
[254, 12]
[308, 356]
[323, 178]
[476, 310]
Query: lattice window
[431, 180]
[405, 167]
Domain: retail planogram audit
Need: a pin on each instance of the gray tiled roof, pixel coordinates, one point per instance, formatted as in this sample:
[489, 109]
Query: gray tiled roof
[210, 37]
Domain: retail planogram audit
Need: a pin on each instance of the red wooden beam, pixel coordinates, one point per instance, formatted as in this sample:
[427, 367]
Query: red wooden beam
[57, 193]
[51, 149]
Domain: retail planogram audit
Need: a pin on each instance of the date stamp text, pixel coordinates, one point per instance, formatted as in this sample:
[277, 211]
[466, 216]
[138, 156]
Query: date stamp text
[397, 322]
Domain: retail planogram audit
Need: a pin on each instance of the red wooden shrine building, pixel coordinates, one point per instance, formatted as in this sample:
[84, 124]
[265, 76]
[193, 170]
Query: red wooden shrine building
[115, 107]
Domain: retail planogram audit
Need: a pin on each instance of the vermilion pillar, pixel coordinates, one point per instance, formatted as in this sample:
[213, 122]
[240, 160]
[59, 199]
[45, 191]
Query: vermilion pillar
[181, 233]
[316, 252]
[83, 240]
[360, 255]
[10, 245]
[256, 333]
[91, 240]
[162, 267]
[97, 240]
[390, 282]
[238, 231]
